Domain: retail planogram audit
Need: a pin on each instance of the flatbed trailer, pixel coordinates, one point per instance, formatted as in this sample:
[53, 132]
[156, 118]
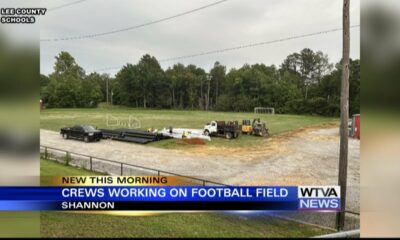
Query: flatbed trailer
[132, 135]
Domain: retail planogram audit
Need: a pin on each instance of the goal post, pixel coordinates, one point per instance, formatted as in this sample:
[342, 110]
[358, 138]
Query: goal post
[264, 110]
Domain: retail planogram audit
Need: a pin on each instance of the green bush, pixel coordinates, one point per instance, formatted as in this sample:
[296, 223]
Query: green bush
[67, 158]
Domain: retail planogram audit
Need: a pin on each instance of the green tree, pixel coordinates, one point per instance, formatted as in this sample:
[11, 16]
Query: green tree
[310, 66]
[65, 82]
[217, 73]
[176, 84]
[91, 93]
[44, 82]
[69, 87]
[152, 80]
[127, 88]
[305, 83]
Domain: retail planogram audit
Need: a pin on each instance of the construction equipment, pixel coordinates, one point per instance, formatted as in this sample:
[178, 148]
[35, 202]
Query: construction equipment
[247, 127]
[259, 128]
[256, 128]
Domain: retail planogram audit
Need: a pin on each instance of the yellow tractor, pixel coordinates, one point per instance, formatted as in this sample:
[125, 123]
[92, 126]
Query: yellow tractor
[256, 128]
[247, 128]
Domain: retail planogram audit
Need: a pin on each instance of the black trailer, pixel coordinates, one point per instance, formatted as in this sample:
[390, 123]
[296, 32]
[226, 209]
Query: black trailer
[132, 135]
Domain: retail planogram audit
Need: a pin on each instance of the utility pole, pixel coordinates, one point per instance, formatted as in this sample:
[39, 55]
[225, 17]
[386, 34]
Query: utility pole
[201, 103]
[344, 115]
[107, 90]
[208, 92]
[112, 97]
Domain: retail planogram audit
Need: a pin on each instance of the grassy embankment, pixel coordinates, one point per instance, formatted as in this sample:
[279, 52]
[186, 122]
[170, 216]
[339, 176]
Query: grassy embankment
[57, 224]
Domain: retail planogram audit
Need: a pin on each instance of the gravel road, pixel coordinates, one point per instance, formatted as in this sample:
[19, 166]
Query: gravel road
[304, 157]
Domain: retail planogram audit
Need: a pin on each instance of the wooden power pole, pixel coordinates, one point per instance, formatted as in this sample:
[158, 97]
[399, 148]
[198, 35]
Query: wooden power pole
[208, 92]
[344, 115]
[107, 90]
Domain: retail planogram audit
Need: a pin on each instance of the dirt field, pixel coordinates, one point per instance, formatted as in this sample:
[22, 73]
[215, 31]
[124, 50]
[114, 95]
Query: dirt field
[304, 157]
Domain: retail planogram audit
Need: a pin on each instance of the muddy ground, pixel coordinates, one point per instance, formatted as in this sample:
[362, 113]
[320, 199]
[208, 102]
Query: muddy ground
[304, 157]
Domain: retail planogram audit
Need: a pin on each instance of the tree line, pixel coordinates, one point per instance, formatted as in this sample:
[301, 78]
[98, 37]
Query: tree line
[305, 83]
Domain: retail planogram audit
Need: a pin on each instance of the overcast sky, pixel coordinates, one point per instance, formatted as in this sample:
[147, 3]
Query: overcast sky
[229, 24]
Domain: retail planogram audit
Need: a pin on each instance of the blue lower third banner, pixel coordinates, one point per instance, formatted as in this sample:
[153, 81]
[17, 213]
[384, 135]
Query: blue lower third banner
[176, 198]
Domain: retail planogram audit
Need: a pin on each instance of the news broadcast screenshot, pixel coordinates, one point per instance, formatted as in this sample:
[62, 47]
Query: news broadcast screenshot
[199, 119]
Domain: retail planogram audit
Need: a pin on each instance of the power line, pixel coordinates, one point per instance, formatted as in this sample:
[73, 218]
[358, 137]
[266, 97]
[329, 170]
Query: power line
[133, 27]
[254, 44]
[65, 5]
[242, 46]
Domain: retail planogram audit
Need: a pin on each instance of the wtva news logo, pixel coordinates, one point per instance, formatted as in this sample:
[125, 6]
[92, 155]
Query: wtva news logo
[319, 198]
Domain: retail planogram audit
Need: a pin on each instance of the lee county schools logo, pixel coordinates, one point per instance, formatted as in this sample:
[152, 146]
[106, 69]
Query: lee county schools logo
[20, 15]
[319, 198]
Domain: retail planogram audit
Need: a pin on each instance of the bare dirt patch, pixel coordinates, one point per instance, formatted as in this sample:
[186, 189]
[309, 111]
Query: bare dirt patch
[277, 144]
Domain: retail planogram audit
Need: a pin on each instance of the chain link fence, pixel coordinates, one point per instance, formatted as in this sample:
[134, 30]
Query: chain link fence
[113, 168]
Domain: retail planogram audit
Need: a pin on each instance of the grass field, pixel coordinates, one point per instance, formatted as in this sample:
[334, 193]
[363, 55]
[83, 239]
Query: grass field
[19, 224]
[54, 119]
[52, 168]
[56, 224]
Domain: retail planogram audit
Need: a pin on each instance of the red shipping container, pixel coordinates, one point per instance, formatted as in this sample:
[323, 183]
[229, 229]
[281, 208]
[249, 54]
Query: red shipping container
[357, 126]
